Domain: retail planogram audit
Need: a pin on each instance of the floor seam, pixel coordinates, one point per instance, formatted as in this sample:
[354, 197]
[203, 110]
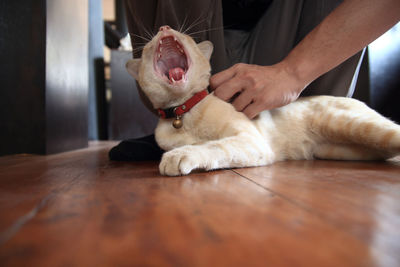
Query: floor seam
[275, 193]
[327, 220]
[11, 231]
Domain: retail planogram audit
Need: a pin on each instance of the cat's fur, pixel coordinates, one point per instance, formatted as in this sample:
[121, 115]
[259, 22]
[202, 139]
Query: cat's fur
[216, 136]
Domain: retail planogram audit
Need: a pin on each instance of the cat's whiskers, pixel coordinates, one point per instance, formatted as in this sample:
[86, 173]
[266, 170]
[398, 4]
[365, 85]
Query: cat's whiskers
[184, 22]
[141, 43]
[149, 34]
[212, 29]
[137, 49]
[140, 47]
[195, 23]
[141, 37]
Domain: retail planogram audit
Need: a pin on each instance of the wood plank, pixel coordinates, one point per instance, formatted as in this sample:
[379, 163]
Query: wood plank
[78, 208]
[25, 178]
[361, 198]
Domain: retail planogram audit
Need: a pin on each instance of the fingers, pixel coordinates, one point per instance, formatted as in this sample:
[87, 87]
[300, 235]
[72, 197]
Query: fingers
[256, 88]
[243, 100]
[252, 110]
[228, 83]
[229, 88]
[221, 77]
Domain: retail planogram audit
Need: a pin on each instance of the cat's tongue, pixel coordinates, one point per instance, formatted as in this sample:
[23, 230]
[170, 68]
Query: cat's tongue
[176, 74]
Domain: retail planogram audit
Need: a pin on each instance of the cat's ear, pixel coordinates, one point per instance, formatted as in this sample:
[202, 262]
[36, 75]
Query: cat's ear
[206, 47]
[132, 66]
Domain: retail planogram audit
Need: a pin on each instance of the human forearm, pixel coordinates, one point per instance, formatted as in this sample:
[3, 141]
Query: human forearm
[349, 28]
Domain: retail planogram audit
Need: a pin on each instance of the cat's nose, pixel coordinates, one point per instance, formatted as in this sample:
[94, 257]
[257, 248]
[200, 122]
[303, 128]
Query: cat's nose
[164, 28]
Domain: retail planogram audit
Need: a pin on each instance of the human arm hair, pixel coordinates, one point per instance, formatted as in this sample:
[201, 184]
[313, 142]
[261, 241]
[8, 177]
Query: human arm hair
[345, 31]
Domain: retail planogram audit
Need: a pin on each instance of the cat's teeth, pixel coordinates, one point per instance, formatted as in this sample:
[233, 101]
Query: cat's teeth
[160, 42]
[172, 78]
[159, 55]
[175, 39]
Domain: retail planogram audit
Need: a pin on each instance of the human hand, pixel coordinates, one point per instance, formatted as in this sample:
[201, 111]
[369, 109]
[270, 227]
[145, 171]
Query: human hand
[259, 87]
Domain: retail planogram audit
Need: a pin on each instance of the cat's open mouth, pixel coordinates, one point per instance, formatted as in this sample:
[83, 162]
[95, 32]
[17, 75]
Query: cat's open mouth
[171, 61]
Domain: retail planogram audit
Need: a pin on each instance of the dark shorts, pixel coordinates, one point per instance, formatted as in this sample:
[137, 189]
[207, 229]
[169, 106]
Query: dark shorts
[265, 40]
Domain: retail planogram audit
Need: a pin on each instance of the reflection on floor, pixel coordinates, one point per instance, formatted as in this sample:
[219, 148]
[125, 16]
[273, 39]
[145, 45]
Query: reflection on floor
[80, 209]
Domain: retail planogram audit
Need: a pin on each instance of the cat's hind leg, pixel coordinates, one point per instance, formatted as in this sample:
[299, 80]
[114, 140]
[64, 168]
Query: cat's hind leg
[346, 152]
[360, 126]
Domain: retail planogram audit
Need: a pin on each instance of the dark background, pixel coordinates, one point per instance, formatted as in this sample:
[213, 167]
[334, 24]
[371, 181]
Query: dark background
[53, 84]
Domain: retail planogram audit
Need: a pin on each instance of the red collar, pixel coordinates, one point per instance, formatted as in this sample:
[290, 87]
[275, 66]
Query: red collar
[178, 111]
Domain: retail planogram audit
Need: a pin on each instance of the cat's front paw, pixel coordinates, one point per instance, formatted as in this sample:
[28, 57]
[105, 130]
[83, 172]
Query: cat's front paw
[178, 162]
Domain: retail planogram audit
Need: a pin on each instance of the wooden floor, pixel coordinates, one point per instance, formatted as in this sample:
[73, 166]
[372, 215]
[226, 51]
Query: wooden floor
[79, 209]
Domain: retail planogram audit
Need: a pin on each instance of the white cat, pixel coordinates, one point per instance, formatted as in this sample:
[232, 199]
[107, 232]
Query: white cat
[208, 133]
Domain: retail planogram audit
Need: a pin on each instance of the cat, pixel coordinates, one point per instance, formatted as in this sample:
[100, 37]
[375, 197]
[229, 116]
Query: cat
[207, 133]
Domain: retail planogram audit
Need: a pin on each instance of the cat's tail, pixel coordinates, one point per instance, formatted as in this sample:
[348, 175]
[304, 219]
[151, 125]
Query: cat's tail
[353, 124]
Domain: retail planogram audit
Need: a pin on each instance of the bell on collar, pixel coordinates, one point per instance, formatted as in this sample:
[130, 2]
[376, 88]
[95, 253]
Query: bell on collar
[177, 123]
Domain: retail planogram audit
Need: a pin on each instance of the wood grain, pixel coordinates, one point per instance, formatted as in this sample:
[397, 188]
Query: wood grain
[80, 209]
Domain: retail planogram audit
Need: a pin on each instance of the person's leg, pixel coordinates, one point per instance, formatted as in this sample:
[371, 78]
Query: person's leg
[341, 80]
[201, 19]
[275, 33]
[284, 25]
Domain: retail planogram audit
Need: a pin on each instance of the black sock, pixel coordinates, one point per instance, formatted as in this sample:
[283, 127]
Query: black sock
[138, 149]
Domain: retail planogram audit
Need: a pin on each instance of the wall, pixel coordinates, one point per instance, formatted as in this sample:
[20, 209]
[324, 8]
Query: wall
[44, 75]
[66, 75]
[97, 102]
[22, 98]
